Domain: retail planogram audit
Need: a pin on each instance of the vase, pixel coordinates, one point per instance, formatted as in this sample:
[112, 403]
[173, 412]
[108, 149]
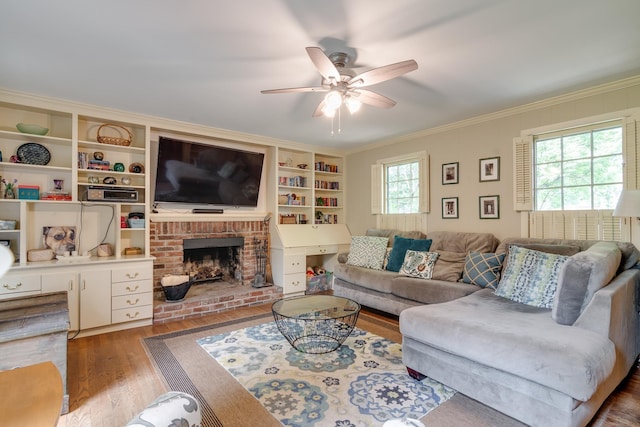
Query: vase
[9, 193]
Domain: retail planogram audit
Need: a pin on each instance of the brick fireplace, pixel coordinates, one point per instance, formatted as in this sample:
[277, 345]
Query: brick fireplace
[167, 246]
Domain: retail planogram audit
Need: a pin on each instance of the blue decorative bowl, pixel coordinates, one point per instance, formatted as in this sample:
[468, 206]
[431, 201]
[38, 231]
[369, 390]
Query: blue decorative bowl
[32, 129]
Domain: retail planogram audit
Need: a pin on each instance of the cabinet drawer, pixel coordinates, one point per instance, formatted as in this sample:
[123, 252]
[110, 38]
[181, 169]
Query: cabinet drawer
[19, 285]
[295, 263]
[131, 314]
[321, 250]
[132, 287]
[294, 283]
[130, 301]
[133, 271]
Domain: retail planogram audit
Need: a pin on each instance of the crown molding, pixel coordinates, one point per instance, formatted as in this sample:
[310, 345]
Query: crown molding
[532, 106]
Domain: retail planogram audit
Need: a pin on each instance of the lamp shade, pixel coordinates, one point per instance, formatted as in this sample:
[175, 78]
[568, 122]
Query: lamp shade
[628, 204]
[6, 259]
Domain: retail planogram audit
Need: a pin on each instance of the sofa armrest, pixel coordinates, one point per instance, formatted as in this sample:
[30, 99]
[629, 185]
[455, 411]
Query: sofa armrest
[613, 313]
[170, 409]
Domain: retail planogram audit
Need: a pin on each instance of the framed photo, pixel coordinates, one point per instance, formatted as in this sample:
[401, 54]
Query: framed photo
[490, 169]
[450, 173]
[60, 239]
[449, 207]
[489, 207]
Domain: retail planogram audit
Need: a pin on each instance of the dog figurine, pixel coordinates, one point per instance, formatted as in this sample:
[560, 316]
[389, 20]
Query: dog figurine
[59, 239]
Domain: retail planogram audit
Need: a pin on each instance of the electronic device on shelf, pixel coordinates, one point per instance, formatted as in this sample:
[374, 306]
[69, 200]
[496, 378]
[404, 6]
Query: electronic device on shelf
[111, 194]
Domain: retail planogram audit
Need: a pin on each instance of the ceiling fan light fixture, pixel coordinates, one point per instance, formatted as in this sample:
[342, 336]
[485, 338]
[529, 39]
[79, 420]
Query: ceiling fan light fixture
[353, 104]
[333, 100]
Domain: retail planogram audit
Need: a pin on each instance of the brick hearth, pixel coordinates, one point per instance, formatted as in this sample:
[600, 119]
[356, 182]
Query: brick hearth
[166, 246]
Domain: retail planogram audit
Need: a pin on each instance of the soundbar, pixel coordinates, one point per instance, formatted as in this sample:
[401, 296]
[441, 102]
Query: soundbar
[207, 211]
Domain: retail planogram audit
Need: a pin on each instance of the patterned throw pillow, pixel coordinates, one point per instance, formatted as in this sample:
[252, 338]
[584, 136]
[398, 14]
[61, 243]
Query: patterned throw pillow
[482, 269]
[530, 277]
[399, 250]
[367, 251]
[418, 264]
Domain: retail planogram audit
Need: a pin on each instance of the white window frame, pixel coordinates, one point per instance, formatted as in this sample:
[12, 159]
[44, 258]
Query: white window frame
[378, 184]
[585, 224]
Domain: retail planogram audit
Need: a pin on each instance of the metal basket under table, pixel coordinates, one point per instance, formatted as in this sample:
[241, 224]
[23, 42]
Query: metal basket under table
[315, 323]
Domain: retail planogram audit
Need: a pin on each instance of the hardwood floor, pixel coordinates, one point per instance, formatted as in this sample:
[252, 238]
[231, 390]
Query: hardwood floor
[110, 378]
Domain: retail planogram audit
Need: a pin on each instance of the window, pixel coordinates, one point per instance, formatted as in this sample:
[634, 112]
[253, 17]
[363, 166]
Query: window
[402, 187]
[578, 169]
[399, 185]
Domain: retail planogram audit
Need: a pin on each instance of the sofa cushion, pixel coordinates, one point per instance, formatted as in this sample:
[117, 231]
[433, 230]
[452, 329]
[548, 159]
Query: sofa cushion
[429, 291]
[377, 280]
[530, 277]
[418, 264]
[630, 254]
[516, 338]
[482, 269]
[367, 251]
[400, 247]
[580, 277]
[462, 242]
[448, 266]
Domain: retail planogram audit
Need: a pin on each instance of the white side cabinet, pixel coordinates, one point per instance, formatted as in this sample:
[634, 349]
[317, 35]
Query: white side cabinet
[65, 281]
[289, 266]
[103, 296]
[95, 298]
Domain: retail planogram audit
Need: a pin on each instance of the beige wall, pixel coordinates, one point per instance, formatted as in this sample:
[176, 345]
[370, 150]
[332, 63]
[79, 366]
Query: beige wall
[467, 142]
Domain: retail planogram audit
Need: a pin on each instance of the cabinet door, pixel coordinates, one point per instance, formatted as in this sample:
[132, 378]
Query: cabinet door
[65, 281]
[95, 298]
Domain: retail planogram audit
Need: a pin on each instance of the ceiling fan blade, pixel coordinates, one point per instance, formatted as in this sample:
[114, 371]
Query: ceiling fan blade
[372, 98]
[318, 112]
[381, 74]
[323, 64]
[297, 89]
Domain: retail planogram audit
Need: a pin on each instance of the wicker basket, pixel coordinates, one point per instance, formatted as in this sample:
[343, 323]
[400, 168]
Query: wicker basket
[112, 139]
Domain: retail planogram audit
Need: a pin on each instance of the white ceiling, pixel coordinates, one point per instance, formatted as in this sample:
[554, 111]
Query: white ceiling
[205, 62]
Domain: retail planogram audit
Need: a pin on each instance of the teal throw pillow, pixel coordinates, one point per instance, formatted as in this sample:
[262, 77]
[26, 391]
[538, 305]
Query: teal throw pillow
[400, 247]
[530, 277]
[482, 269]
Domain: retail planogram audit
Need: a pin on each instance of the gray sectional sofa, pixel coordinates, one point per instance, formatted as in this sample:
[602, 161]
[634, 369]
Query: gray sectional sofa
[544, 366]
[392, 292]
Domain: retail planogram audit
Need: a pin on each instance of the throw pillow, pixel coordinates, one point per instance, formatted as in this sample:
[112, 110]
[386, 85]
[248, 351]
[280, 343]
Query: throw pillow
[530, 277]
[418, 264]
[482, 269]
[367, 251]
[400, 247]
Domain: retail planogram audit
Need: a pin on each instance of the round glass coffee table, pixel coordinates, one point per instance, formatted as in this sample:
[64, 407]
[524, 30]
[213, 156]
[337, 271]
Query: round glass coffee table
[315, 323]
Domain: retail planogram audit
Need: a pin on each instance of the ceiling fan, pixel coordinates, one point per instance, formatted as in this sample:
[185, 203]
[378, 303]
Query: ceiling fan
[343, 86]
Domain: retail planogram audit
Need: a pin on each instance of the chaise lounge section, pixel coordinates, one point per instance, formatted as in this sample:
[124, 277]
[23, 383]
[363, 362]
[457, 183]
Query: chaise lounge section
[545, 366]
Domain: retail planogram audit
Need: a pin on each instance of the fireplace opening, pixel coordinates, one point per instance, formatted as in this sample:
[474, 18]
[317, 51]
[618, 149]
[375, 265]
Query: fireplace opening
[212, 260]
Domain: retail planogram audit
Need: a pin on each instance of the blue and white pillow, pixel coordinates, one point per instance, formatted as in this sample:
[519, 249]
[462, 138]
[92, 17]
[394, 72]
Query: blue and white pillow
[367, 251]
[418, 264]
[531, 277]
[482, 269]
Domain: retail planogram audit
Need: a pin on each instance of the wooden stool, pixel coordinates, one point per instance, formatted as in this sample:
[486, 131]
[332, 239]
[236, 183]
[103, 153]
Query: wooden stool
[31, 396]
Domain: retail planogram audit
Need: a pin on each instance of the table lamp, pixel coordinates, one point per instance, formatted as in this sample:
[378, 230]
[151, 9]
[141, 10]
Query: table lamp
[628, 204]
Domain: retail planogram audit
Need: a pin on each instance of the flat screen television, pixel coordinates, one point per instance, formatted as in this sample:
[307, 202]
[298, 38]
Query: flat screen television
[195, 173]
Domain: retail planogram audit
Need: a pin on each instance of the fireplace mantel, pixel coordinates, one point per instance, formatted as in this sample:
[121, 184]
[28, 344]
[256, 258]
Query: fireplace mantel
[187, 216]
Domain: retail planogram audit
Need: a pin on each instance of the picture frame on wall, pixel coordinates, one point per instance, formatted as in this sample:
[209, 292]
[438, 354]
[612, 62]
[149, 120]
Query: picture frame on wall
[490, 207]
[450, 173]
[490, 169]
[449, 207]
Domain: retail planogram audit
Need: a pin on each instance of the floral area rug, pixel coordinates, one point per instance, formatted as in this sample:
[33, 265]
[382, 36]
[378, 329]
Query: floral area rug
[362, 383]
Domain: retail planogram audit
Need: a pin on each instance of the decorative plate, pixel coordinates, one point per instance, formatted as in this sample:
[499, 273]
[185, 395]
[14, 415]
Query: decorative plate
[136, 168]
[33, 154]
